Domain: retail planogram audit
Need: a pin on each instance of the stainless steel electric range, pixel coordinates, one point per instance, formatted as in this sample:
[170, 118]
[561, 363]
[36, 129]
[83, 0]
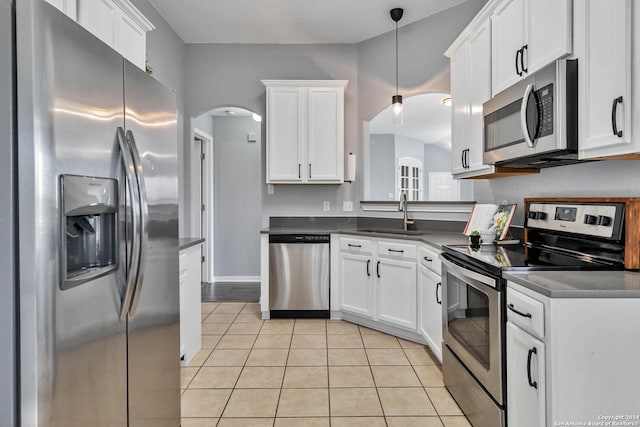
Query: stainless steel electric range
[559, 235]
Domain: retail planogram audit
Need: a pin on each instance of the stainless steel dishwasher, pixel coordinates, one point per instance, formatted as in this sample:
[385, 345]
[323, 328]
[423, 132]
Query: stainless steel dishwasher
[299, 275]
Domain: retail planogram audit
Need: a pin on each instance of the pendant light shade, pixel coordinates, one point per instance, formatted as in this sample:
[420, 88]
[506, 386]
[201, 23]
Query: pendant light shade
[396, 100]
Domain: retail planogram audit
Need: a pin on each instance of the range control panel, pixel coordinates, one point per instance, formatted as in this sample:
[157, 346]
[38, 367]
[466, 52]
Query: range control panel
[591, 219]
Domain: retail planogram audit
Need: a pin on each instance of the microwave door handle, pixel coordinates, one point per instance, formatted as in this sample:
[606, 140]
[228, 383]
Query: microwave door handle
[523, 116]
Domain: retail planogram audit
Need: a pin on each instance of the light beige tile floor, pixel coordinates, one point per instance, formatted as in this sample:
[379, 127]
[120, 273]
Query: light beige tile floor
[308, 372]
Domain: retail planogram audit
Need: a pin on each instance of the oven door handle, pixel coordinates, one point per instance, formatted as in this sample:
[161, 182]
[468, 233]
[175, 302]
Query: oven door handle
[469, 274]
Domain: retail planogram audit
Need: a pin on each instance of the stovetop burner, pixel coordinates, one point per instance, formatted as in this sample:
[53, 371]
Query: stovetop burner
[498, 258]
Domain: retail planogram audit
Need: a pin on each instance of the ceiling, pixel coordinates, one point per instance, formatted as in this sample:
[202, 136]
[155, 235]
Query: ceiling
[289, 21]
[425, 117]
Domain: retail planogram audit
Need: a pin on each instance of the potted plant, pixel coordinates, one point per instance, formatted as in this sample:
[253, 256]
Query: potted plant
[474, 238]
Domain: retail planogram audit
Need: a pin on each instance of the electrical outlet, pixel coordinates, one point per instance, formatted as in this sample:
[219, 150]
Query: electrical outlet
[505, 202]
[390, 196]
[326, 206]
[347, 206]
[270, 189]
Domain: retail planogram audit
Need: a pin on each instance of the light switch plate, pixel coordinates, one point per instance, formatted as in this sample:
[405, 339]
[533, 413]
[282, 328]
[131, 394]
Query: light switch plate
[347, 206]
[270, 189]
[252, 137]
[326, 206]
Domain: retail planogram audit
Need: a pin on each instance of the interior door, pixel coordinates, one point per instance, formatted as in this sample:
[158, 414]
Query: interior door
[153, 322]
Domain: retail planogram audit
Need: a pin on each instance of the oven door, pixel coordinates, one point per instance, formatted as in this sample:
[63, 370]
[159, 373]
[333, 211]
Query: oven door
[473, 324]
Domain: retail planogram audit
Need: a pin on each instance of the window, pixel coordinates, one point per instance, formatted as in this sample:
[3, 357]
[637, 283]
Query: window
[410, 178]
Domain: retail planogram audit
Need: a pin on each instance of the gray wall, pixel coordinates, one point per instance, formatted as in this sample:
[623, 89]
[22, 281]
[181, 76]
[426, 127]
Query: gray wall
[436, 159]
[8, 287]
[423, 68]
[237, 196]
[165, 54]
[611, 178]
[383, 171]
[225, 74]
[230, 75]
[203, 123]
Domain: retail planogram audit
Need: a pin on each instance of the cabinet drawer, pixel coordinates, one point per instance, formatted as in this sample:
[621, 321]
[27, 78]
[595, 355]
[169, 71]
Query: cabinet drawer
[349, 244]
[396, 250]
[525, 312]
[430, 259]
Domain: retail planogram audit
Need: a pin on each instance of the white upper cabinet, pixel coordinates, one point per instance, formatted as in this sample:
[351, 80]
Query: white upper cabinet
[305, 131]
[526, 36]
[116, 22]
[470, 88]
[285, 130]
[604, 44]
[69, 7]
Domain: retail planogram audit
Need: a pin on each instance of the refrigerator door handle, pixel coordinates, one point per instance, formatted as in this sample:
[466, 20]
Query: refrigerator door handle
[133, 261]
[143, 212]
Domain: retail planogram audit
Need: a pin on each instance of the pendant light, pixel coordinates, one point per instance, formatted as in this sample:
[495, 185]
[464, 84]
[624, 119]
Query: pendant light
[396, 100]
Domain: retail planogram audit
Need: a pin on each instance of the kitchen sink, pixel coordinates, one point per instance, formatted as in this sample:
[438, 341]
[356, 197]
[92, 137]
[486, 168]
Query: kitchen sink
[394, 231]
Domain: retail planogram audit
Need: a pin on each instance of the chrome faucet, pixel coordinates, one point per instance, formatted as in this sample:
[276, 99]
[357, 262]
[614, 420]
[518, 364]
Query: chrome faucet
[403, 207]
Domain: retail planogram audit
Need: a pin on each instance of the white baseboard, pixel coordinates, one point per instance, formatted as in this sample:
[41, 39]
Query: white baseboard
[236, 279]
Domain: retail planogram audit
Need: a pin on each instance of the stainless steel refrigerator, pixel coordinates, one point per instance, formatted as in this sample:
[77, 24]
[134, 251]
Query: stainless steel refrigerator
[92, 270]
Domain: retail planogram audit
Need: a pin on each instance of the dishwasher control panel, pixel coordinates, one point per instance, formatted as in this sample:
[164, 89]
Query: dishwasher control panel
[298, 238]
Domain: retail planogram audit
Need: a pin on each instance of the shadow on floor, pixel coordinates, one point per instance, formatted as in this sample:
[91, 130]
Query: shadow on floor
[231, 291]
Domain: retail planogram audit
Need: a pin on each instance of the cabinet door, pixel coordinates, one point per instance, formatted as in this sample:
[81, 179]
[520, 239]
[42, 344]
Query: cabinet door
[190, 310]
[325, 133]
[130, 39]
[396, 292]
[479, 87]
[460, 110]
[285, 134]
[183, 306]
[69, 7]
[99, 18]
[605, 76]
[525, 368]
[507, 37]
[356, 295]
[548, 24]
[430, 309]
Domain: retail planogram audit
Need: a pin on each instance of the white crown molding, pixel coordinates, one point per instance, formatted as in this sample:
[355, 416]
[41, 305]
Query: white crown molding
[306, 83]
[476, 22]
[132, 12]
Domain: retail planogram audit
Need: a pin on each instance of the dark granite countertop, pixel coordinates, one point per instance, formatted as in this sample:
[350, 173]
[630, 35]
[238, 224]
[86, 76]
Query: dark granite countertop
[434, 233]
[187, 242]
[580, 284]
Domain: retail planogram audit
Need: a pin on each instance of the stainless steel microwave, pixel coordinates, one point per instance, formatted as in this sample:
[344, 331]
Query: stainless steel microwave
[535, 122]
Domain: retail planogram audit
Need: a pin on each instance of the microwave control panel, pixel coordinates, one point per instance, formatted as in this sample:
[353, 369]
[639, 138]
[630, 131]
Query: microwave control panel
[544, 99]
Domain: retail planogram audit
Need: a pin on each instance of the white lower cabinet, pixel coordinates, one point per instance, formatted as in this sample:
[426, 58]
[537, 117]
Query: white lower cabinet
[190, 317]
[525, 379]
[396, 288]
[377, 281]
[571, 360]
[356, 290]
[430, 309]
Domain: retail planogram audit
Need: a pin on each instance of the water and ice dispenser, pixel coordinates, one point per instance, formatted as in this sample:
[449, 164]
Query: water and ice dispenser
[89, 229]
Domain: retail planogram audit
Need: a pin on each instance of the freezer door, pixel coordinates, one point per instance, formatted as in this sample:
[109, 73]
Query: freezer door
[8, 310]
[154, 315]
[73, 344]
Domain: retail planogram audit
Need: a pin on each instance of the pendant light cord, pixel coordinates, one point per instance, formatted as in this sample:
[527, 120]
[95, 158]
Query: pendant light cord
[396, 57]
